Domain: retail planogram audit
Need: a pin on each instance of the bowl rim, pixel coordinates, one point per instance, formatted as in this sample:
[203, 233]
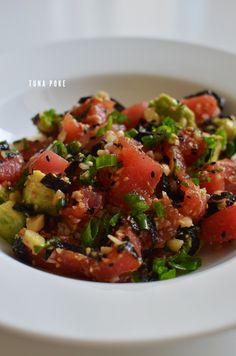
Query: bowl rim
[227, 266]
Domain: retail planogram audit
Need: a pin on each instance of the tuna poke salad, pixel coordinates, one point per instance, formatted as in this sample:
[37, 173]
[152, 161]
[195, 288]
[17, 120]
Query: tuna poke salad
[110, 193]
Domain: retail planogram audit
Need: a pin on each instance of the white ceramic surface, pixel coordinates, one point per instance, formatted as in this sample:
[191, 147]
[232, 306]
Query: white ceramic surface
[97, 317]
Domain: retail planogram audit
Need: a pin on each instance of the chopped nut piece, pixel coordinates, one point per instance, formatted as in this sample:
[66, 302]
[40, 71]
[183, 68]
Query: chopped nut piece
[151, 115]
[58, 195]
[88, 250]
[110, 136]
[120, 133]
[84, 166]
[32, 239]
[101, 94]
[186, 222]
[102, 152]
[35, 223]
[166, 169]
[174, 244]
[105, 250]
[115, 240]
[77, 195]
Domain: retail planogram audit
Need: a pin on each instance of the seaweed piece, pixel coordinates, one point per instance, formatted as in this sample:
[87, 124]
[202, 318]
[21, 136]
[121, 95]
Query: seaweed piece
[128, 246]
[175, 194]
[118, 106]
[143, 129]
[96, 147]
[143, 274]
[36, 119]
[192, 233]
[71, 247]
[84, 98]
[80, 116]
[55, 183]
[21, 181]
[152, 230]
[56, 242]
[209, 126]
[29, 209]
[220, 201]
[20, 250]
[4, 146]
[134, 225]
[11, 154]
[70, 171]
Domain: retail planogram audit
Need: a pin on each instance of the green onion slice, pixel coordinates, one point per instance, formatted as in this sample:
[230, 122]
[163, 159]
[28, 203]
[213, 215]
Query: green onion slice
[131, 133]
[90, 233]
[142, 221]
[59, 148]
[106, 161]
[136, 202]
[107, 127]
[159, 209]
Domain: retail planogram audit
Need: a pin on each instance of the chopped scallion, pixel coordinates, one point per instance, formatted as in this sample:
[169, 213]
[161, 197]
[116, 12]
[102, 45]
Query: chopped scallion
[119, 117]
[159, 209]
[195, 180]
[211, 143]
[131, 133]
[87, 177]
[165, 131]
[170, 267]
[114, 220]
[142, 221]
[106, 161]
[136, 202]
[74, 147]
[48, 120]
[104, 129]
[230, 149]
[90, 233]
[221, 132]
[149, 141]
[59, 148]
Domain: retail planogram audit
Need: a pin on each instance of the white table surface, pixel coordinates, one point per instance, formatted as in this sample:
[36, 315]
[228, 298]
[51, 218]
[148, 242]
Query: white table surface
[26, 23]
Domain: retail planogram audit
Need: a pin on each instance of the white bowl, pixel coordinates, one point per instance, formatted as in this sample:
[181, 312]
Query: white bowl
[56, 315]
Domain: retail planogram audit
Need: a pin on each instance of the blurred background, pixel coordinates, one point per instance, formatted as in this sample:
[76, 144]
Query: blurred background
[25, 23]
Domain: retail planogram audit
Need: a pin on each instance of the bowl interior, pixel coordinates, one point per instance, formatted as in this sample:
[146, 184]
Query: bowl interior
[16, 112]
